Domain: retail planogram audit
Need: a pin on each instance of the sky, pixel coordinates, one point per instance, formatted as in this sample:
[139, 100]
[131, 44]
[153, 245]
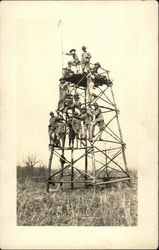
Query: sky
[120, 35]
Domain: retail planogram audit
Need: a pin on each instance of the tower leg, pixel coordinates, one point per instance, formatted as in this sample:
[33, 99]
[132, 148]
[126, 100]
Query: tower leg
[121, 136]
[85, 135]
[86, 161]
[62, 164]
[106, 169]
[72, 169]
[93, 166]
[49, 169]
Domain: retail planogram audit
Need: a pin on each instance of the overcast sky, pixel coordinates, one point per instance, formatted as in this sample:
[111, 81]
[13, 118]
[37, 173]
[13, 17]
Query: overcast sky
[121, 35]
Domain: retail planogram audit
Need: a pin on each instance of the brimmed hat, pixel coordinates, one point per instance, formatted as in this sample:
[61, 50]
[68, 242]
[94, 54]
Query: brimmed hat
[72, 50]
[84, 47]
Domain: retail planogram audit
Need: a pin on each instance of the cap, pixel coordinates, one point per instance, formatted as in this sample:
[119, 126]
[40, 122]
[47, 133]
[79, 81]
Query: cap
[83, 47]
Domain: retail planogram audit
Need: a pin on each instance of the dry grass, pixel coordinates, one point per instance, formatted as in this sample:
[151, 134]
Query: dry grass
[112, 206]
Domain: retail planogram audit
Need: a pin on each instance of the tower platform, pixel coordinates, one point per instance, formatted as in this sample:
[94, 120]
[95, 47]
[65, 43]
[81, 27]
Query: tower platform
[81, 80]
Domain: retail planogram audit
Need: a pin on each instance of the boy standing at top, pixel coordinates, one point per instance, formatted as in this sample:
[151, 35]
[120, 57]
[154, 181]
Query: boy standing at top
[85, 61]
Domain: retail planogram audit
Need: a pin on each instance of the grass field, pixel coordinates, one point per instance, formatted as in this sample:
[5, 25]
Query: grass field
[111, 206]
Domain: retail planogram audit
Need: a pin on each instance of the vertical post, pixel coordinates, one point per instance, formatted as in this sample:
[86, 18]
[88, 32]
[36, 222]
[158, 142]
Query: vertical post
[62, 165]
[63, 151]
[72, 169]
[106, 163]
[93, 166]
[93, 163]
[61, 38]
[49, 168]
[86, 158]
[121, 136]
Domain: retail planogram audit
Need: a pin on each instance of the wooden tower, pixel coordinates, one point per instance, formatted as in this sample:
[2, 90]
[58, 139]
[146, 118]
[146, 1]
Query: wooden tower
[94, 162]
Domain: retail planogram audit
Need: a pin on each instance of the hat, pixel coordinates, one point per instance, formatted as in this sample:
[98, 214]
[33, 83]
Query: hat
[72, 50]
[84, 47]
[51, 113]
[97, 63]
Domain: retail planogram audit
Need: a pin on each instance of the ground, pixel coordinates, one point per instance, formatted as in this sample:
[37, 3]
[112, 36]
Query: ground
[106, 206]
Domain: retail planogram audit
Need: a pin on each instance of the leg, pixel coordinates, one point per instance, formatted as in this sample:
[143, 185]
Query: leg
[85, 130]
[87, 66]
[77, 135]
[50, 135]
[93, 129]
[82, 66]
[101, 127]
[70, 139]
[78, 68]
[81, 136]
[90, 130]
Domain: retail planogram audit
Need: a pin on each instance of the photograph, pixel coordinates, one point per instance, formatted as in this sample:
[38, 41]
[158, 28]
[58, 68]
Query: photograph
[83, 120]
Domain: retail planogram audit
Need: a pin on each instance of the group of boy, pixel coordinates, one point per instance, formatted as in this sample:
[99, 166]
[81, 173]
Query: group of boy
[85, 60]
[80, 121]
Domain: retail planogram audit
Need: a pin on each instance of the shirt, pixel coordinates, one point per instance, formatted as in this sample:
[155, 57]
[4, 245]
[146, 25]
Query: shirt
[76, 124]
[53, 122]
[86, 56]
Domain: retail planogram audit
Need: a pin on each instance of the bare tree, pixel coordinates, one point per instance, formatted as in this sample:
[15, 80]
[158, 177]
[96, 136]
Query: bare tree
[31, 161]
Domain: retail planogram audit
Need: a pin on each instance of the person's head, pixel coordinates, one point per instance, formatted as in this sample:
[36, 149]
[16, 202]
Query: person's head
[97, 65]
[69, 96]
[76, 97]
[60, 118]
[51, 113]
[76, 114]
[72, 51]
[84, 48]
[83, 110]
[61, 80]
[95, 105]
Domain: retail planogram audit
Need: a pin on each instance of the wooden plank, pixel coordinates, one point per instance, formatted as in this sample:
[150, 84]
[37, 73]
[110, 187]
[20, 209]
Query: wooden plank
[112, 181]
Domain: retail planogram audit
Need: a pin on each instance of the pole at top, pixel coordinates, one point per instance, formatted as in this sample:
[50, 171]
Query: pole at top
[61, 36]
